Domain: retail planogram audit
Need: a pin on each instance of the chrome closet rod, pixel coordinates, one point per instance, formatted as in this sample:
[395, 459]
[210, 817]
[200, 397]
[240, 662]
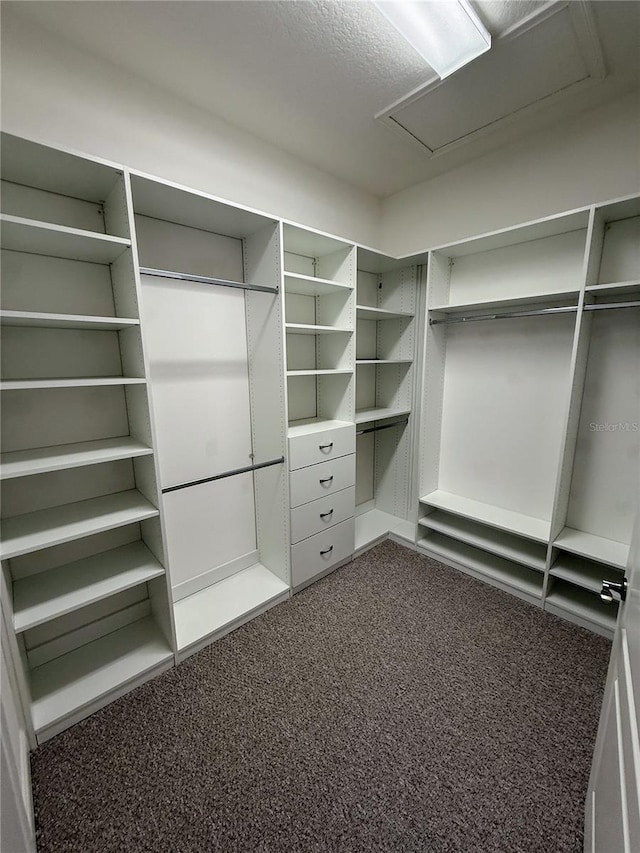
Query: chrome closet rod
[384, 426]
[564, 309]
[205, 279]
[603, 305]
[233, 473]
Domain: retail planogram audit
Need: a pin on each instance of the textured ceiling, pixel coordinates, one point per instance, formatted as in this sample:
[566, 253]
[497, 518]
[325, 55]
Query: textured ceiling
[308, 76]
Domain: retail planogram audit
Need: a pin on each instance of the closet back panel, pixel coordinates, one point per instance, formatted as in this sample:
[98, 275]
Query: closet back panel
[621, 251]
[41, 353]
[365, 466]
[197, 350]
[603, 497]
[32, 203]
[505, 391]
[538, 266]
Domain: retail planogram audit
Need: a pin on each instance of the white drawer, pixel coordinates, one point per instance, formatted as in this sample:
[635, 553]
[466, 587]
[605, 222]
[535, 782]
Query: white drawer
[321, 514]
[318, 553]
[318, 446]
[316, 481]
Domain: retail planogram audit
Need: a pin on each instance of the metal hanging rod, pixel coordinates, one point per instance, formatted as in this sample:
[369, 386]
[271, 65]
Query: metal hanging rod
[603, 305]
[384, 426]
[205, 279]
[233, 473]
[507, 315]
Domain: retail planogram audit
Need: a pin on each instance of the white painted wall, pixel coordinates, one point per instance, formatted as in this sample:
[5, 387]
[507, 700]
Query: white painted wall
[592, 157]
[58, 94]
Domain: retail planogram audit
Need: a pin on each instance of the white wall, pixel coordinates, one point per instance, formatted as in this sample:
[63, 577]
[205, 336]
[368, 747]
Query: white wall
[56, 93]
[592, 157]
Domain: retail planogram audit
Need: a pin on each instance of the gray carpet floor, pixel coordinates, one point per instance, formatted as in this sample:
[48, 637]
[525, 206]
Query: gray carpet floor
[396, 705]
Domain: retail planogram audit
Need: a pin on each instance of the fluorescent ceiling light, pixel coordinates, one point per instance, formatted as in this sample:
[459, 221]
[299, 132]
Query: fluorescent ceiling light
[447, 33]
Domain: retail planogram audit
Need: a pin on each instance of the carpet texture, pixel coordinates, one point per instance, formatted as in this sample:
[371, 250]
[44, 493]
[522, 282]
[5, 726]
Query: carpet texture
[397, 705]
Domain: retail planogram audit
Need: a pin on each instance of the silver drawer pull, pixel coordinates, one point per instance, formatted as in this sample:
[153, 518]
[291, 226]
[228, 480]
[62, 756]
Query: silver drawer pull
[328, 551]
[325, 446]
[326, 480]
[326, 514]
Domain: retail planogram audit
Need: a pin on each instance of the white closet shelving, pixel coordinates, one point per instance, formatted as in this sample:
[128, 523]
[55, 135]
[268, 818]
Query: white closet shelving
[83, 568]
[386, 337]
[211, 274]
[498, 344]
[319, 311]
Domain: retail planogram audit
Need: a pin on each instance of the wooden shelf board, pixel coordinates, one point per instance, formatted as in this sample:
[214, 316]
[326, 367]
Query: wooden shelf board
[583, 573]
[583, 604]
[328, 372]
[48, 595]
[537, 299]
[72, 382]
[79, 678]
[493, 568]
[384, 361]
[379, 413]
[32, 531]
[523, 551]
[64, 321]
[308, 426]
[308, 285]
[218, 606]
[373, 525]
[503, 519]
[59, 241]
[305, 329]
[366, 312]
[22, 463]
[593, 547]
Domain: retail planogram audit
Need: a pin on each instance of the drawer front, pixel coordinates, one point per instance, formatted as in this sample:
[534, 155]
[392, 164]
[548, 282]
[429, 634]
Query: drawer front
[321, 514]
[319, 446]
[318, 553]
[317, 481]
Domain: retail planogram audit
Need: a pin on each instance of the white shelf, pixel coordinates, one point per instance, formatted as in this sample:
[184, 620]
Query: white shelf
[32, 531]
[384, 361]
[379, 413]
[39, 384]
[308, 285]
[216, 608]
[23, 463]
[503, 519]
[59, 241]
[593, 547]
[81, 677]
[48, 595]
[582, 573]
[494, 569]
[570, 600]
[305, 329]
[374, 525]
[516, 302]
[365, 312]
[620, 288]
[64, 321]
[310, 426]
[524, 551]
[328, 372]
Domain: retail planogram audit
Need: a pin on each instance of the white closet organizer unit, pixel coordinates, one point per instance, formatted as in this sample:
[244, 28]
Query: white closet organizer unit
[211, 276]
[81, 550]
[597, 494]
[319, 327]
[386, 305]
[498, 346]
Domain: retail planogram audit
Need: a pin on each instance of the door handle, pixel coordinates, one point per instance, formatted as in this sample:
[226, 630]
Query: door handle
[612, 591]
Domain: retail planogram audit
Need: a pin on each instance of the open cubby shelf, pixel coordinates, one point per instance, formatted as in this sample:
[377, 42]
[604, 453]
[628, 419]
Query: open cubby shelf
[379, 413]
[367, 312]
[534, 300]
[594, 547]
[583, 573]
[308, 285]
[59, 241]
[309, 329]
[573, 602]
[22, 463]
[40, 319]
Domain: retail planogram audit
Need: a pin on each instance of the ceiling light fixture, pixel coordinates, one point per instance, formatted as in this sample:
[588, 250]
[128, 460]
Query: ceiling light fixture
[446, 33]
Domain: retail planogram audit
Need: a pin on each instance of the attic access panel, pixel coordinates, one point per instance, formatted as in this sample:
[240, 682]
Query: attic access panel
[542, 58]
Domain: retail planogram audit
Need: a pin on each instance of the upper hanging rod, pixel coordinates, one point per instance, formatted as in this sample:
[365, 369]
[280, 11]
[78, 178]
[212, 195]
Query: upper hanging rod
[384, 426]
[603, 305]
[434, 321]
[205, 279]
[226, 474]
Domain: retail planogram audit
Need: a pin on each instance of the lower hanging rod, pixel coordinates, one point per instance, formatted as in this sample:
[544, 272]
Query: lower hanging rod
[603, 305]
[507, 315]
[233, 473]
[384, 426]
[205, 279]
